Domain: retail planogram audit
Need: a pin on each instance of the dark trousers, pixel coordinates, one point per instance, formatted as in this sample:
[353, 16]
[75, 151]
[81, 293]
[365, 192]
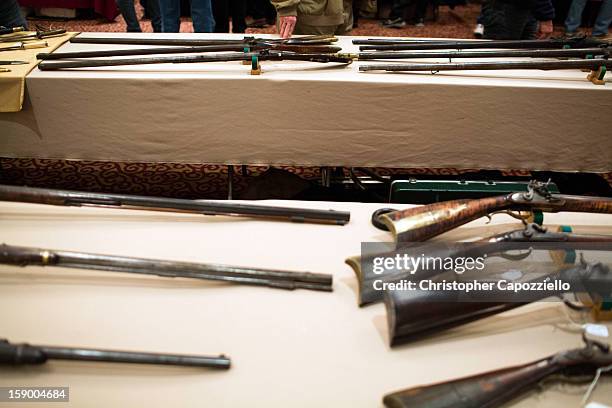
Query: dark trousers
[508, 21]
[399, 8]
[222, 9]
[126, 7]
[201, 15]
[261, 9]
[10, 14]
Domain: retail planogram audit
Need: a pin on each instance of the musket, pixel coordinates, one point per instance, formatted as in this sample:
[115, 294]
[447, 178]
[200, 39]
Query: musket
[244, 42]
[590, 64]
[10, 30]
[533, 235]
[495, 388]
[134, 202]
[27, 256]
[26, 354]
[24, 46]
[527, 53]
[13, 62]
[264, 55]
[427, 221]
[387, 40]
[38, 35]
[403, 45]
[415, 314]
[301, 49]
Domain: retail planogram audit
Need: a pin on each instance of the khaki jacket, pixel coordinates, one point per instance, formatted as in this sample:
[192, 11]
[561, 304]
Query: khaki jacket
[312, 12]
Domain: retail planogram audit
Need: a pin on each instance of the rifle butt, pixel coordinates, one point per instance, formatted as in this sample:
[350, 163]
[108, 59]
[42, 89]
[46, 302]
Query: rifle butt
[488, 390]
[427, 221]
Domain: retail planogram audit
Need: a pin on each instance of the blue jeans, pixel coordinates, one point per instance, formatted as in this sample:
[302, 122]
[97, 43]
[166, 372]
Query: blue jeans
[574, 17]
[10, 14]
[201, 14]
[129, 15]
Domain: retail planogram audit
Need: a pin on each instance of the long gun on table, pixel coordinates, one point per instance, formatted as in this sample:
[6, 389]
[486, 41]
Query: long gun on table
[244, 42]
[26, 354]
[415, 314]
[427, 221]
[10, 30]
[411, 45]
[495, 388]
[26, 256]
[265, 55]
[78, 198]
[593, 64]
[369, 282]
[24, 46]
[602, 52]
[38, 35]
[300, 49]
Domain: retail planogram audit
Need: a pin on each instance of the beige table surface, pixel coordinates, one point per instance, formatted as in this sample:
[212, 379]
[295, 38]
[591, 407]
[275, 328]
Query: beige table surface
[288, 349]
[306, 113]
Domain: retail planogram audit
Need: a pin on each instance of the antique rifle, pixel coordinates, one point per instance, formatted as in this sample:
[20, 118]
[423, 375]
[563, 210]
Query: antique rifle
[415, 314]
[495, 388]
[78, 198]
[546, 65]
[525, 53]
[26, 256]
[244, 42]
[38, 35]
[301, 49]
[13, 62]
[24, 46]
[10, 30]
[264, 55]
[427, 221]
[26, 354]
[406, 45]
[533, 235]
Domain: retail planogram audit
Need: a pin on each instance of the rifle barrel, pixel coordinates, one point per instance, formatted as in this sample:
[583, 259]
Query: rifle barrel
[22, 354]
[306, 40]
[185, 50]
[78, 198]
[545, 53]
[179, 59]
[592, 64]
[23, 256]
[439, 45]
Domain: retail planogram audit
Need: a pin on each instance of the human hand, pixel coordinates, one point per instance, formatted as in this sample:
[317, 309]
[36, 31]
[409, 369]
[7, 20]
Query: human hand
[546, 29]
[286, 25]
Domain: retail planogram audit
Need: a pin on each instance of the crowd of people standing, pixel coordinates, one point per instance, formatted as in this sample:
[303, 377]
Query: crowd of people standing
[499, 19]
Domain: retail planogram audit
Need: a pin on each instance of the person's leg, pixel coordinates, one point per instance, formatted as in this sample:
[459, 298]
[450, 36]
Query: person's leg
[126, 7]
[170, 15]
[238, 11]
[202, 16]
[530, 31]
[10, 14]
[220, 10]
[398, 10]
[155, 15]
[604, 18]
[574, 15]
[421, 9]
[505, 21]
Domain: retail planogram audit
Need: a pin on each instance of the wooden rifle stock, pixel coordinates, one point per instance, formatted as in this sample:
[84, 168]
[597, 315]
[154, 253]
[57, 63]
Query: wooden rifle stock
[520, 239]
[422, 223]
[412, 315]
[495, 388]
[487, 390]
